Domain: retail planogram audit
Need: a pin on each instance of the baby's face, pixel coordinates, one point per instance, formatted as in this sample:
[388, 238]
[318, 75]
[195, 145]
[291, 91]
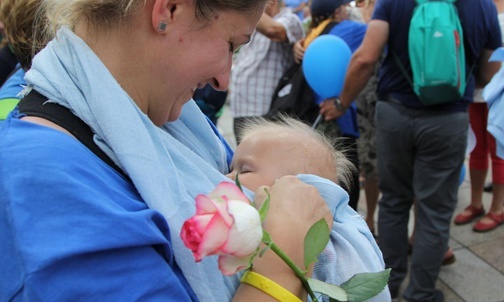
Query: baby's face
[260, 161]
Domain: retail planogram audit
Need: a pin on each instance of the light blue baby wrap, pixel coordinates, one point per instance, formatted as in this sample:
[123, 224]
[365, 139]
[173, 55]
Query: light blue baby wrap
[170, 165]
[494, 95]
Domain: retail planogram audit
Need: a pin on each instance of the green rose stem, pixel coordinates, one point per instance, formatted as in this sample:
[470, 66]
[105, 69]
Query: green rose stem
[299, 273]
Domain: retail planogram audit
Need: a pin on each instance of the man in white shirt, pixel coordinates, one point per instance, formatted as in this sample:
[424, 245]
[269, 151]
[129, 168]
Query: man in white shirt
[260, 64]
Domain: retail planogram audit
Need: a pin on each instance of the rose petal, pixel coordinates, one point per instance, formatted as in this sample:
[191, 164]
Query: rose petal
[223, 211]
[246, 233]
[230, 190]
[204, 205]
[193, 230]
[229, 265]
[190, 236]
[214, 237]
[201, 222]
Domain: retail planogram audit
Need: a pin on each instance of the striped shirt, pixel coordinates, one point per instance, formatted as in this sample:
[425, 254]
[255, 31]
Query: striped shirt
[259, 66]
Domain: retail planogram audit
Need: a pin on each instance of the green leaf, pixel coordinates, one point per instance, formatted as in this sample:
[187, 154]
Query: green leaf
[315, 241]
[333, 291]
[237, 181]
[251, 259]
[266, 239]
[264, 207]
[264, 250]
[364, 286]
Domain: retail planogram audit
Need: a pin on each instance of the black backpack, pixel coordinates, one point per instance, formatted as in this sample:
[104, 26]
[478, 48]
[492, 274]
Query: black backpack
[293, 96]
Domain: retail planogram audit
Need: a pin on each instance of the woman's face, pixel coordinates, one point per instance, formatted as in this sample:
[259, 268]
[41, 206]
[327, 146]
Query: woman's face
[195, 53]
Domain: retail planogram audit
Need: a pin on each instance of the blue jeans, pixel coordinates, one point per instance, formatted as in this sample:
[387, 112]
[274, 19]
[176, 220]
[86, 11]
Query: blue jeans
[420, 156]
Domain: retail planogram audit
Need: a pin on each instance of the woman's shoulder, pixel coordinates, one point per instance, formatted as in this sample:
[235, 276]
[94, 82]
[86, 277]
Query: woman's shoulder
[66, 211]
[38, 155]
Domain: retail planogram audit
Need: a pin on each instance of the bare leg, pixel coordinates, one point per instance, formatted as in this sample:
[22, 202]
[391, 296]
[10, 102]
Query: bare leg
[498, 199]
[372, 193]
[477, 185]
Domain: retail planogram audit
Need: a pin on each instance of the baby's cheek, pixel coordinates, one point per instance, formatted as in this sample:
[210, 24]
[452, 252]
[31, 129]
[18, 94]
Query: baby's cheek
[251, 181]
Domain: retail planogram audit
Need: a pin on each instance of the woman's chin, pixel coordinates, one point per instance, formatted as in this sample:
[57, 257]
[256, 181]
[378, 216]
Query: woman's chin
[174, 115]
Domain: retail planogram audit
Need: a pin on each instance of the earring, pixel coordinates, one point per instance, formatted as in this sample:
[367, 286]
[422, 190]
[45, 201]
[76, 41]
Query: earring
[162, 26]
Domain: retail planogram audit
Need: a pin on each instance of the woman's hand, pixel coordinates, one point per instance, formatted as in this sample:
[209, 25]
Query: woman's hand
[299, 51]
[294, 207]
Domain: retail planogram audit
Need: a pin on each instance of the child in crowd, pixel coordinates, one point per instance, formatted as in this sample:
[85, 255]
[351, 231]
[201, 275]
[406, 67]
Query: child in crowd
[286, 146]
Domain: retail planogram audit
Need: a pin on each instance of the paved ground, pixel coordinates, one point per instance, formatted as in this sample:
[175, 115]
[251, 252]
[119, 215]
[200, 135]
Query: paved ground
[478, 273]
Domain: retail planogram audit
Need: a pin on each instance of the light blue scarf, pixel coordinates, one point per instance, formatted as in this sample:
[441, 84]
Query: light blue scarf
[170, 165]
[494, 95]
[352, 248]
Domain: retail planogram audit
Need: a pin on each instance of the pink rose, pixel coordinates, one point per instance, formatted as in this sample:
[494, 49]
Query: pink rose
[225, 224]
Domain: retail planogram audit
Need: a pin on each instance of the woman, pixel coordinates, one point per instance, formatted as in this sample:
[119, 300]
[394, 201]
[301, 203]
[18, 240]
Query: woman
[105, 224]
[478, 164]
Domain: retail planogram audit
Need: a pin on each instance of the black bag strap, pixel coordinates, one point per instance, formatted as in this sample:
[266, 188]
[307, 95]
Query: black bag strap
[328, 28]
[35, 104]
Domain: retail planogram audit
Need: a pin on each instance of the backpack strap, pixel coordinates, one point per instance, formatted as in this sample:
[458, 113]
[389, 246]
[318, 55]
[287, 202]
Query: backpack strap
[403, 69]
[35, 104]
[322, 29]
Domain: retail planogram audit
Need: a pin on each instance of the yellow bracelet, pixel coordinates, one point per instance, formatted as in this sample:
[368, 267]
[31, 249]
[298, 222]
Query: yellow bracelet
[269, 287]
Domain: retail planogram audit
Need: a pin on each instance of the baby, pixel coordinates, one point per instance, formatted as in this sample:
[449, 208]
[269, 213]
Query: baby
[272, 149]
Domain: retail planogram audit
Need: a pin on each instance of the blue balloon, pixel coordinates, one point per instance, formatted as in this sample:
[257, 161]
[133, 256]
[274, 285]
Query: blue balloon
[325, 63]
[462, 175]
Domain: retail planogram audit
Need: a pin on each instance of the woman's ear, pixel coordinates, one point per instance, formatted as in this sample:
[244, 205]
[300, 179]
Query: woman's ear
[162, 14]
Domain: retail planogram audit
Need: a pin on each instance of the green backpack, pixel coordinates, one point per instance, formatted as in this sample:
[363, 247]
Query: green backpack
[436, 52]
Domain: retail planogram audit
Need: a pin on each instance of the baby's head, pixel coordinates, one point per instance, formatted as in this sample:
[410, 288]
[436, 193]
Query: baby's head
[272, 149]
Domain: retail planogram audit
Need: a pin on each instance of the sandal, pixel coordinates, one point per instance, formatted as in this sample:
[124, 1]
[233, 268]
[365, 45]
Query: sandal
[496, 220]
[449, 257]
[473, 213]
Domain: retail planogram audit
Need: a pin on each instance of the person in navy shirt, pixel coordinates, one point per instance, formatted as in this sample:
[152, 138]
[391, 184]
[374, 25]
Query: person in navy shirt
[420, 149]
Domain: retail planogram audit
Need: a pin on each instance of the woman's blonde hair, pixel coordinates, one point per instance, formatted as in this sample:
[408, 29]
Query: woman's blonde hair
[323, 148]
[106, 13]
[20, 26]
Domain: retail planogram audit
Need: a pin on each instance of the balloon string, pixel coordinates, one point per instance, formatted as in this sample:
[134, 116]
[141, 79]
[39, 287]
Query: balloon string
[317, 121]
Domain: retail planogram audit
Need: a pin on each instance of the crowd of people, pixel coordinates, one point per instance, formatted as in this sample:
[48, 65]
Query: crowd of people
[420, 150]
[401, 140]
[104, 150]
